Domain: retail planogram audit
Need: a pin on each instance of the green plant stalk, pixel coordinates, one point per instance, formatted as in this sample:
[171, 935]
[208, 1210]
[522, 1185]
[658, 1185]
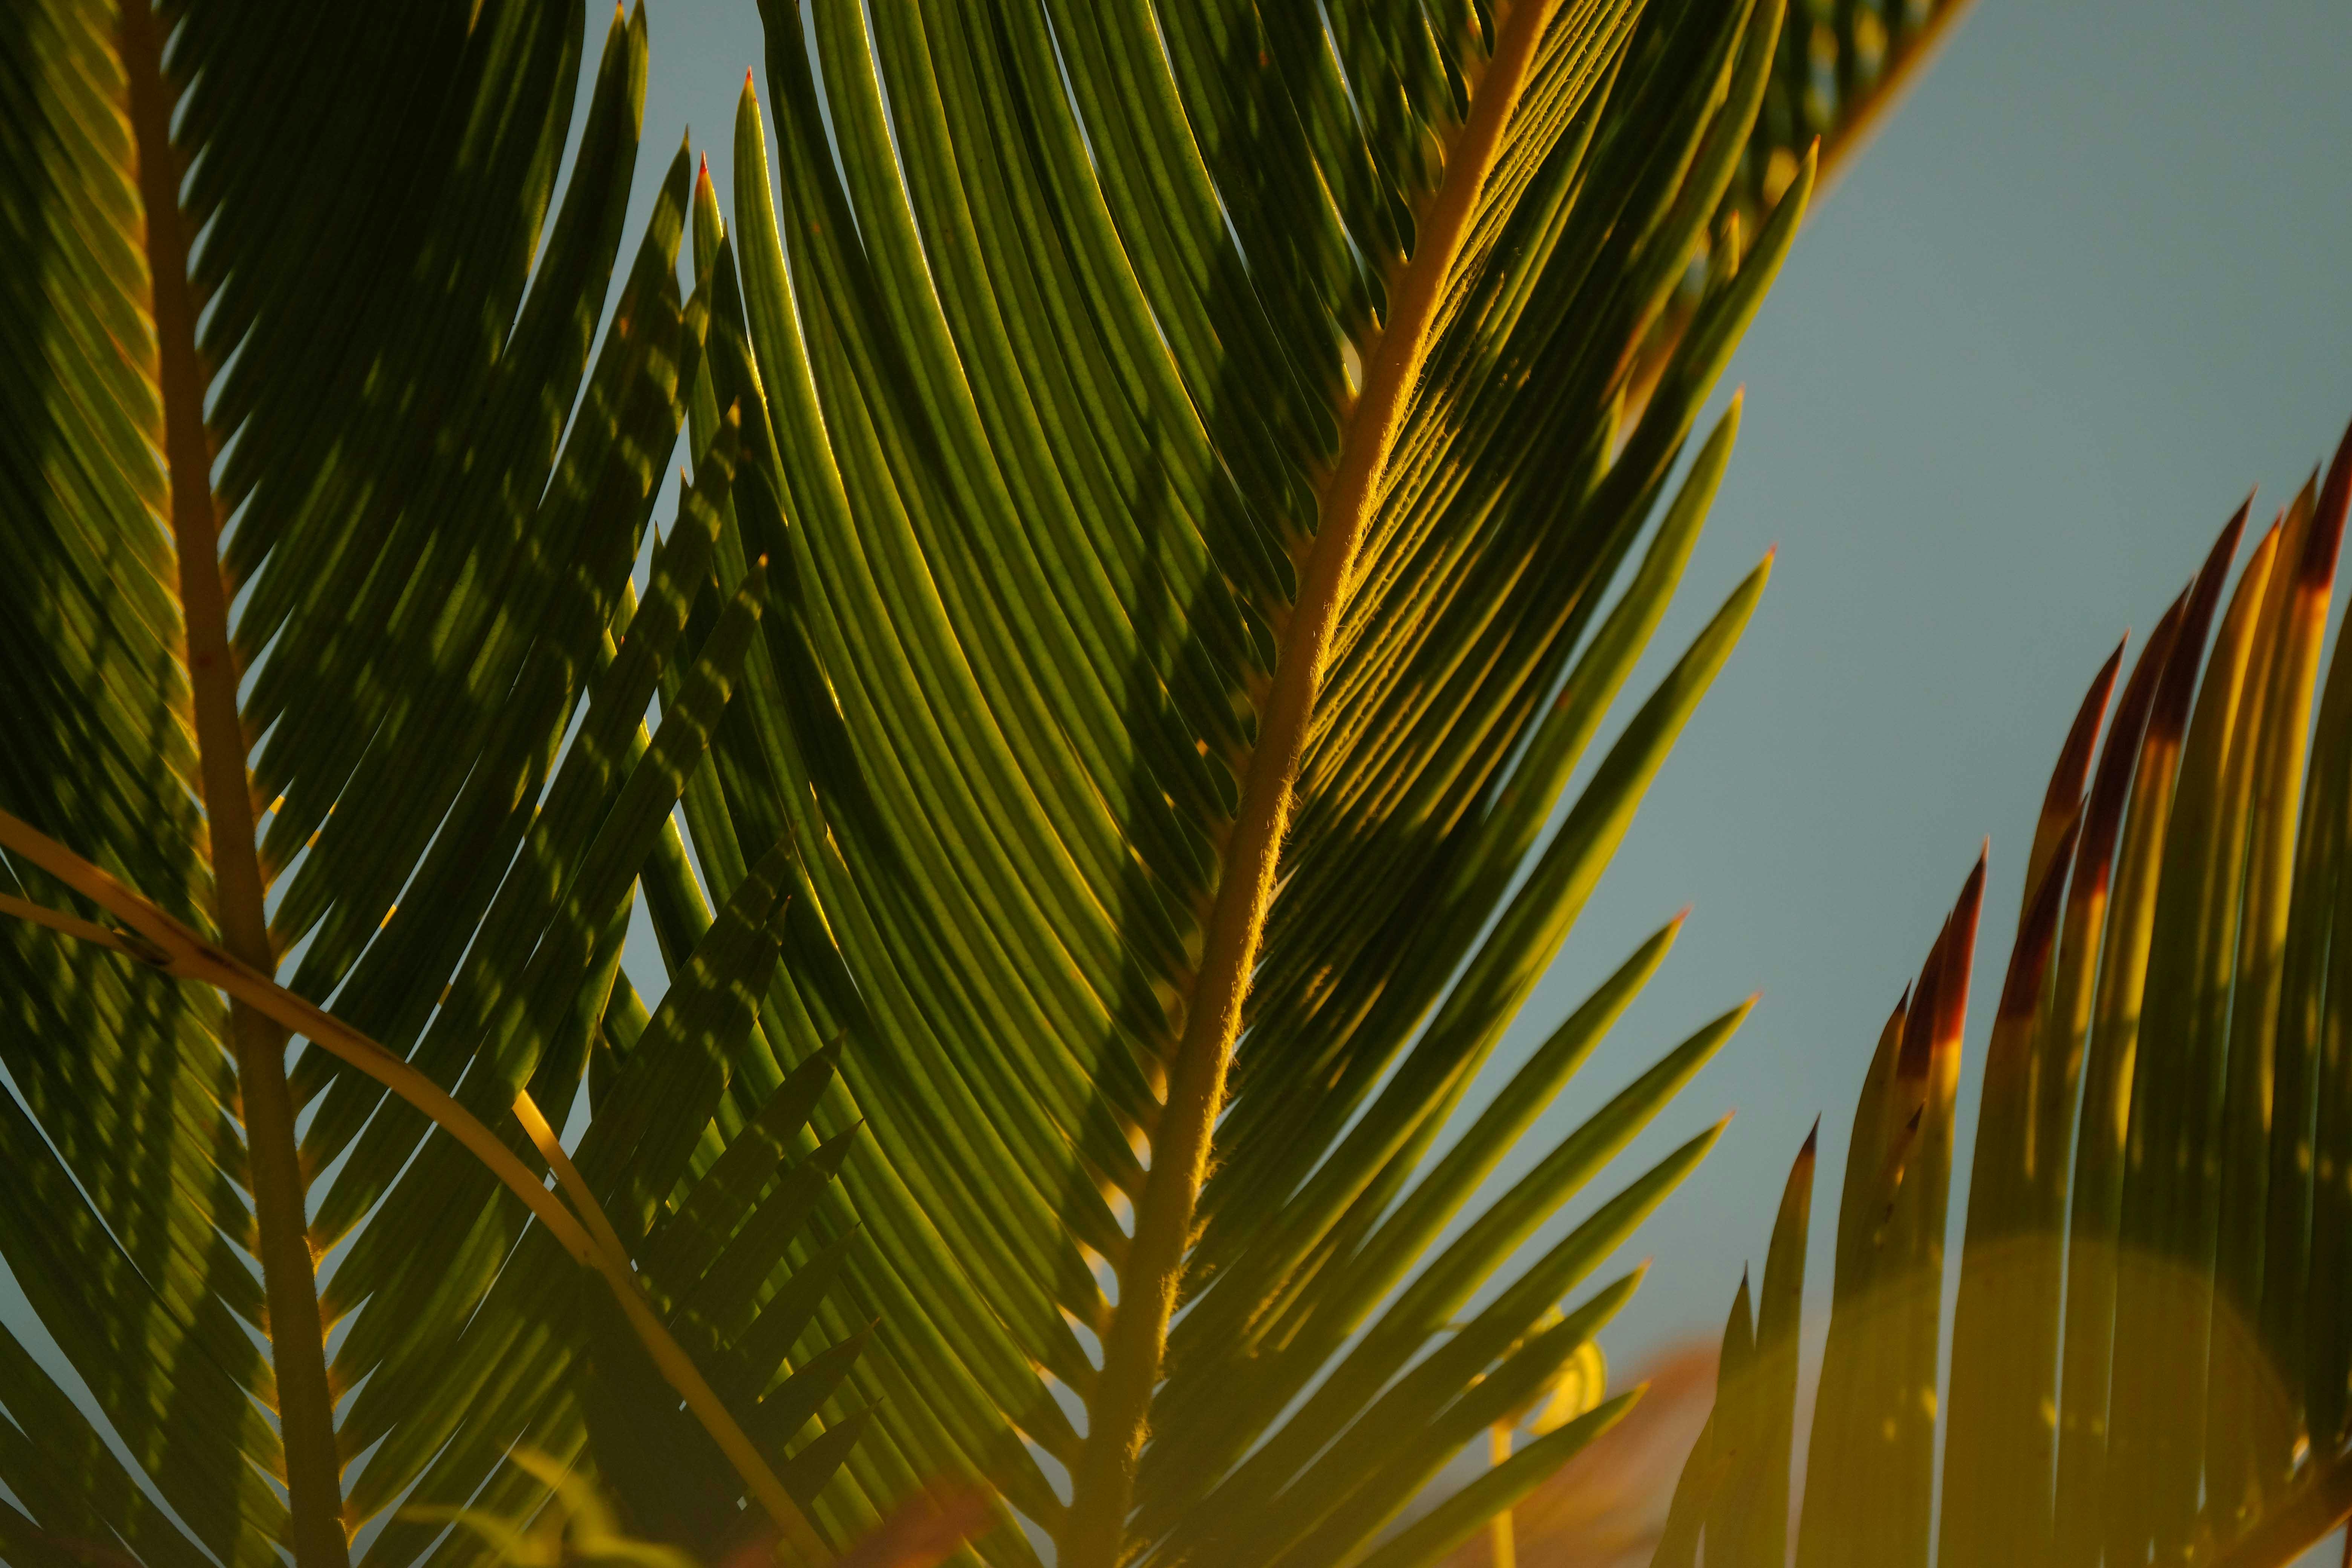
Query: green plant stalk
[2166, 1215]
[1103, 1486]
[306, 1406]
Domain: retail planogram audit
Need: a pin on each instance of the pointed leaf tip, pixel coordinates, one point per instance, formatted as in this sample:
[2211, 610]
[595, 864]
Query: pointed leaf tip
[2176, 682]
[2327, 525]
[1959, 959]
[2072, 774]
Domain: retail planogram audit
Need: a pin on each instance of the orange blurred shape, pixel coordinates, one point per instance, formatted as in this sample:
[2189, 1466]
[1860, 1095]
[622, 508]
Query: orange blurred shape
[1605, 1508]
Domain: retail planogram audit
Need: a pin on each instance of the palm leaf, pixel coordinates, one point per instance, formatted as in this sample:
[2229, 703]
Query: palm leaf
[2148, 1353]
[1843, 66]
[430, 564]
[1082, 627]
[1165, 528]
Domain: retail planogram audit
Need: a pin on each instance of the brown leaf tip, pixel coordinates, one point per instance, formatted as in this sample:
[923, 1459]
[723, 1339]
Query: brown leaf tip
[2068, 779]
[2318, 565]
[2029, 960]
[1960, 958]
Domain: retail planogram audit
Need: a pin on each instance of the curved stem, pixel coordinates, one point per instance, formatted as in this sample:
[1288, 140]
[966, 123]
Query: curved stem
[163, 943]
[306, 1409]
[1120, 1413]
[1502, 1549]
[612, 1260]
[155, 939]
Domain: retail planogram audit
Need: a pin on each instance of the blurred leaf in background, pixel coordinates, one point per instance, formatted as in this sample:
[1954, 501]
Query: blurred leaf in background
[2151, 1354]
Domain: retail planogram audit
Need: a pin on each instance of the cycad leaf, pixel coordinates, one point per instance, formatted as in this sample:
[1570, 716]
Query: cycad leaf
[1157, 480]
[2142, 1361]
[434, 501]
[1042, 382]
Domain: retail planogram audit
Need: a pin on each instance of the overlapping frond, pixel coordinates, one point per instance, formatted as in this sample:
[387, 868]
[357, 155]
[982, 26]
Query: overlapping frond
[122, 1218]
[1842, 66]
[1164, 530]
[435, 501]
[2150, 1353]
[1057, 358]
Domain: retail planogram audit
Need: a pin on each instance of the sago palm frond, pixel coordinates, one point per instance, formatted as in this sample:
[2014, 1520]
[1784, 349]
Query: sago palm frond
[1843, 66]
[455, 666]
[2152, 1352]
[1163, 534]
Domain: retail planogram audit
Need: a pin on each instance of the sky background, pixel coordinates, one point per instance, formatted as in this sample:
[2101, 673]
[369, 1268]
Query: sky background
[2085, 288]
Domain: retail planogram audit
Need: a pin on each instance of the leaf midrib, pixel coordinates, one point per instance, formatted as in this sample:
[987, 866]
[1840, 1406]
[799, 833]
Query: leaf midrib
[1118, 1415]
[298, 1347]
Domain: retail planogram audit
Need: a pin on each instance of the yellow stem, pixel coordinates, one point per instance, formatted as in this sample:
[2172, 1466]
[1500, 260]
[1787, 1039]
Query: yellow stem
[87, 931]
[306, 1407]
[1119, 1415]
[612, 1260]
[1502, 1549]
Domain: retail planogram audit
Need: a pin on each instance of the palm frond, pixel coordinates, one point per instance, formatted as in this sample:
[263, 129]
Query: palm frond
[430, 551]
[2147, 1353]
[1843, 66]
[1165, 528]
[1058, 363]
